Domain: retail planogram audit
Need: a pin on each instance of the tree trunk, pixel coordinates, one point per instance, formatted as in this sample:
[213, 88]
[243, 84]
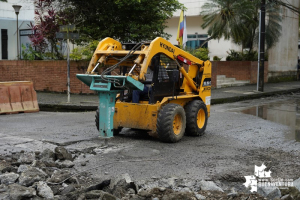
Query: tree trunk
[208, 39]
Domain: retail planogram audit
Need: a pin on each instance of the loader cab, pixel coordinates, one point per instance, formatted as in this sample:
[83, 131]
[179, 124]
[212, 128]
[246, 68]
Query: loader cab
[165, 80]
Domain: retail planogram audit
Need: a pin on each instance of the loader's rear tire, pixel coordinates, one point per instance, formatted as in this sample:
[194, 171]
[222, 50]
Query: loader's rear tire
[196, 118]
[171, 122]
[116, 131]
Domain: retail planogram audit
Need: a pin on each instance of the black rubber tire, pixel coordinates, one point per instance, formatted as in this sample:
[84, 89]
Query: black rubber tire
[191, 110]
[165, 121]
[116, 131]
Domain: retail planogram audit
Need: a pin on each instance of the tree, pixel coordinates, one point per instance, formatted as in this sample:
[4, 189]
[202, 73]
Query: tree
[125, 20]
[273, 26]
[224, 18]
[47, 22]
[239, 20]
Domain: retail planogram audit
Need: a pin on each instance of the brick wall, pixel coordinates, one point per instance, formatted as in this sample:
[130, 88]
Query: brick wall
[45, 75]
[241, 70]
[52, 75]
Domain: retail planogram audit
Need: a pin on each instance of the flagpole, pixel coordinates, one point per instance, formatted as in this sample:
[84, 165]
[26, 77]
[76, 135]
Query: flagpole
[184, 37]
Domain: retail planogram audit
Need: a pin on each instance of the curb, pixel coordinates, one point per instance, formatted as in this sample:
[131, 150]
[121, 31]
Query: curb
[252, 96]
[66, 107]
[86, 108]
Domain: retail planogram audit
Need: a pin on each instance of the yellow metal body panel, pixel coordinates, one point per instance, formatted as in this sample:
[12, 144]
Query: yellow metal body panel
[104, 45]
[144, 115]
[205, 91]
[181, 100]
[140, 116]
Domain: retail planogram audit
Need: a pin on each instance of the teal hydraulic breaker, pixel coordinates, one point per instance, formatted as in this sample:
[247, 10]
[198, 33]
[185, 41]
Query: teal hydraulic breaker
[107, 91]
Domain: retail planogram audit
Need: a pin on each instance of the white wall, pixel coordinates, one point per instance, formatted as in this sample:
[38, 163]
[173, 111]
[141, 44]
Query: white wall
[8, 20]
[11, 26]
[216, 47]
[221, 47]
[193, 7]
[26, 11]
[283, 56]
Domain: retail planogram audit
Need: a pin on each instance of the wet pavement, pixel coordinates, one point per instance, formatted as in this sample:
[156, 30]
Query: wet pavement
[282, 112]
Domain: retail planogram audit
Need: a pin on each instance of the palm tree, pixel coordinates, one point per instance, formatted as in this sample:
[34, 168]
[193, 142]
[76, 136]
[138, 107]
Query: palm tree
[239, 20]
[224, 18]
[273, 26]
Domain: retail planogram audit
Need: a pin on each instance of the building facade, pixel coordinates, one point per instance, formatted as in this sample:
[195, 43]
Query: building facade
[282, 57]
[196, 34]
[8, 27]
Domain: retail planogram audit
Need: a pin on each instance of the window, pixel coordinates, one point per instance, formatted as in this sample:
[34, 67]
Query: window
[196, 40]
[4, 44]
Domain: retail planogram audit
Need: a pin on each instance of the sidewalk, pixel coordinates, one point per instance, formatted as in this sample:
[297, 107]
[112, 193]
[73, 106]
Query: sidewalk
[58, 102]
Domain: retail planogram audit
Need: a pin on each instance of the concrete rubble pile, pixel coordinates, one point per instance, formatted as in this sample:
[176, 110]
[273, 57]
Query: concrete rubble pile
[51, 175]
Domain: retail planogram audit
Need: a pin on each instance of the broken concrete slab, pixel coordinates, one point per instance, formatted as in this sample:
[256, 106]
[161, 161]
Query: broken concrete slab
[47, 155]
[43, 190]
[8, 178]
[296, 184]
[62, 153]
[210, 186]
[17, 192]
[64, 164]
[26, 158]
[271, 192]
[32, 175]
[59, 176]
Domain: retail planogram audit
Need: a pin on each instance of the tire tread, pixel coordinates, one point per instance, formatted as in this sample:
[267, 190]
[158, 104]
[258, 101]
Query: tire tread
[165, 123]
[191, 110]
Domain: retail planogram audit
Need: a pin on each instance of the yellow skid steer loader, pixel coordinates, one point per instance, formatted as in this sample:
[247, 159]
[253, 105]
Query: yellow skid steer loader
[153, 86]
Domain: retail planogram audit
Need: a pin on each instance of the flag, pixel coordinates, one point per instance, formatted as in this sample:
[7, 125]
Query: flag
[184, 38]
[180, 29]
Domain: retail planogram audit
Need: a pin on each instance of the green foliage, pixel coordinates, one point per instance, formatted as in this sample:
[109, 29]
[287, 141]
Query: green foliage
[224, 18]
[88, 51]
[216, 58]
[31, 54]
[201, 53]
[233, 55]
[239, 20]
[84, 53]
[48, 18]
[76, 54]
[126, 20]
[243, 56]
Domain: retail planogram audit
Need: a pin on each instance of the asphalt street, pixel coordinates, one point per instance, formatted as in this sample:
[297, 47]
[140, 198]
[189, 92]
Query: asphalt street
[234, 142]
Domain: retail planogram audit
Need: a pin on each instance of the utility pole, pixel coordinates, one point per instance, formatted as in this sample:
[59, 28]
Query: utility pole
[261, 60]
[65, 34]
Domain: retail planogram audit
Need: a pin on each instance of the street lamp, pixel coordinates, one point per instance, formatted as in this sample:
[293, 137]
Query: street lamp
[17, 9]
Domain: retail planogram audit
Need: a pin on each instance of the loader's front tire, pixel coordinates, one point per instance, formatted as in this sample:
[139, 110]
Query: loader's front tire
[196, 118]
[116, 131]
[171, 122]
